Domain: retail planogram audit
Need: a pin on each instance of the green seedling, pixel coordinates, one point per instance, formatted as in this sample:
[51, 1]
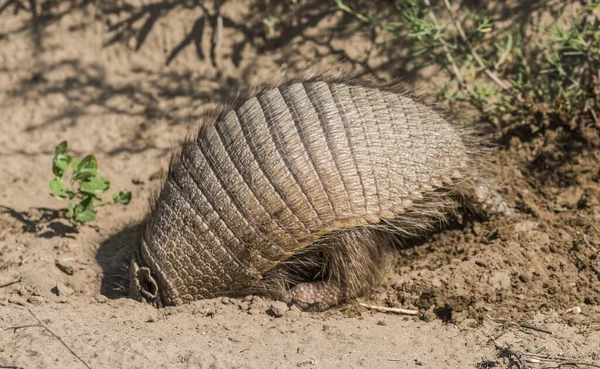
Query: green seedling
[85, 187]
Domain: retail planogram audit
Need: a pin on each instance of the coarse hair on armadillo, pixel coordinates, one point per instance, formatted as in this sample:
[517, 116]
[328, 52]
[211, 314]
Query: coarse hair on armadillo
[346, 251]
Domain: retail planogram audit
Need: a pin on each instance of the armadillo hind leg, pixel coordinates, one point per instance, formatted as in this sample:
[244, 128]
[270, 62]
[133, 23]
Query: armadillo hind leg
[491, 201]
[339, 268]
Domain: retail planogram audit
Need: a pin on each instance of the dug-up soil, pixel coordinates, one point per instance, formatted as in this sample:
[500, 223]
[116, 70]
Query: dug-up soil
[126, 81]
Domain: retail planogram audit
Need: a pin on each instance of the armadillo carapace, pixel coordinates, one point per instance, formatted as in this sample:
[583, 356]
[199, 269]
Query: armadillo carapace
[297, 192]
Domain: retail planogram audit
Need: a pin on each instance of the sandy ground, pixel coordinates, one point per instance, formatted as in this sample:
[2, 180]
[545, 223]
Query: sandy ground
[126, 81]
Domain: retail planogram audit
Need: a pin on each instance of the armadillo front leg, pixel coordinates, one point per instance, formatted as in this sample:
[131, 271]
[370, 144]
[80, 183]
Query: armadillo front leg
[353, 261]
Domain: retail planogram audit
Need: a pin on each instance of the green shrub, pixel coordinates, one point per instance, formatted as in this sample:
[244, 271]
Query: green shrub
[554, 83]
[85, 185]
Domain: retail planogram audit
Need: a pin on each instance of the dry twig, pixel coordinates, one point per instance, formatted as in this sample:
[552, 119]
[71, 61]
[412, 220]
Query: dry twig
[455, 69]
[10, 283]
[47, 328]
[464, 38]
[520, 355]
[389, 310]
[520, 324]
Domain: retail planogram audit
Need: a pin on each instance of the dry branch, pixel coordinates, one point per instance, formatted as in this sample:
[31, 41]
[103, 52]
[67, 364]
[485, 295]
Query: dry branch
[47, 328]
[448, 54]
[520, 324]
[389, 310]
[10, 283]
[521, 355]
[464, 38]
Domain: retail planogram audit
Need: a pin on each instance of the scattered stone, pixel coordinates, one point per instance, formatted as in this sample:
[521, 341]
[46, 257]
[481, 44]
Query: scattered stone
[254, 311]
[381, 322]
[156, 175]
[62, 290]
[64, 267]
[279, 308]
[36, 300]
[17, 300]
[525, 226]
[225, 300]
[306, 362]
[500, 280]
[101, 299]
[574, 310]
[294, 312]
[243, 305]
[469, 323]
[570, 197]
[429, 316]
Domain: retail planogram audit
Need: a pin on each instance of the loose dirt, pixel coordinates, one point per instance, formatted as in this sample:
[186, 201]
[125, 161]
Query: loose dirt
[127, 81]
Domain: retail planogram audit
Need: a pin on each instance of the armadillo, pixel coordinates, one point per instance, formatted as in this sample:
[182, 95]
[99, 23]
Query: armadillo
[297, 193]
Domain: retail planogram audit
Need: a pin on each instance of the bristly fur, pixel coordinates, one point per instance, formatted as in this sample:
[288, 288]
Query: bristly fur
[351, 255]
[476, 139]
[369, 245]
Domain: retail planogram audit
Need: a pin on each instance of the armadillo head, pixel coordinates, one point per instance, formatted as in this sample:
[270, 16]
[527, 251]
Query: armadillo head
[143, 283]
[171, 265]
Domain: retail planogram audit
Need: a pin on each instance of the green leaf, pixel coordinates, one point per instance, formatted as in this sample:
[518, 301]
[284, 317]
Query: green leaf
[87, 203]
[70, 209]
[77, 209]
[122, 197]
[85, 216]
[61, 148]
[74, 164]
[106, 181]
[60, 163]
[57, 188]
[89, 162]
[92, 185]
[84, 173]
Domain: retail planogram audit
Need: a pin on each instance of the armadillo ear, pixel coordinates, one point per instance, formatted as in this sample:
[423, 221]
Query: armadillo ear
[142, 285]
[147, 285]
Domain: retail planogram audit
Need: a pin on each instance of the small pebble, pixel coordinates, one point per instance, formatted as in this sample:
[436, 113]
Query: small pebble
[279, 308]
[294, 312]
[64, 267]
[469, 323]
[17, 300]
[225, 300]
[254, 311]
[36, 300]
[101, 299]
[574, 310]
[429, 316]
[63, 290]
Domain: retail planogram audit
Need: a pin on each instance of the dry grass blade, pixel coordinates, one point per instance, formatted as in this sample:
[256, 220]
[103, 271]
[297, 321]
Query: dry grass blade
[518, 357]
[389, 310]
[520, 324]
[47, 328]
[10, 283]
[464, 38]
[455, 69]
